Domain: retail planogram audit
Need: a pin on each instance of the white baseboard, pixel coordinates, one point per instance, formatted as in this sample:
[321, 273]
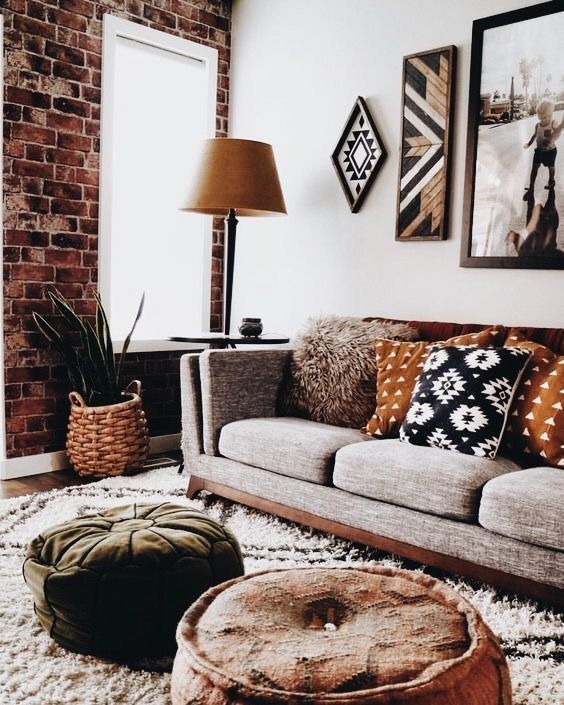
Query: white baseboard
[12, 468]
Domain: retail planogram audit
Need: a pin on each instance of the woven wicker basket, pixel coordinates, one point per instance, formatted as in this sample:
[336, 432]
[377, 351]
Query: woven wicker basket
[105, 440]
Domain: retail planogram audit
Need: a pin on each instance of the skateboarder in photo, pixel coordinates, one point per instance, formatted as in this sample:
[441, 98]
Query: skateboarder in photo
[547, 131]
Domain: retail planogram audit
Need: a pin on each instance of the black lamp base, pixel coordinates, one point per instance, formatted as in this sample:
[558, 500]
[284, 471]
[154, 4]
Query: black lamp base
[229, 262]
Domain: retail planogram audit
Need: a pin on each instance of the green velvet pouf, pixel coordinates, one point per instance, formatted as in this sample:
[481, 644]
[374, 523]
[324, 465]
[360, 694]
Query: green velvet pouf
[117, 583]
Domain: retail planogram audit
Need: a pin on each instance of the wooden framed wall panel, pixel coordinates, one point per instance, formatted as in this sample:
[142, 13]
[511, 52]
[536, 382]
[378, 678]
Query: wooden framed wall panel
[426, 115]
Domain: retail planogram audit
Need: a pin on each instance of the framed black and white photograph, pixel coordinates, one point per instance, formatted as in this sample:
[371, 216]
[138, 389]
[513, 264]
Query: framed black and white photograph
[514, 192]
[359, 154]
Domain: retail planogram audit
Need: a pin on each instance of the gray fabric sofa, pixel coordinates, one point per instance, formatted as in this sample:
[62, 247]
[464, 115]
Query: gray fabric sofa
[483, 518]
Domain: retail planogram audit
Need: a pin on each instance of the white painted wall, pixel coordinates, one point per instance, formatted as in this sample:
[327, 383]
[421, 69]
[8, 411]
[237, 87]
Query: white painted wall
[297, 67]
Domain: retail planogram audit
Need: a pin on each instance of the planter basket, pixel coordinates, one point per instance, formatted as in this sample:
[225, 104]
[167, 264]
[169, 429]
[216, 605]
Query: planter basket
[105, 440]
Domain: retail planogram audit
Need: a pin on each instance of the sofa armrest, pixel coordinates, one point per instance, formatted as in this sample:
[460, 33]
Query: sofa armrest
[191, 399]
[239, 384]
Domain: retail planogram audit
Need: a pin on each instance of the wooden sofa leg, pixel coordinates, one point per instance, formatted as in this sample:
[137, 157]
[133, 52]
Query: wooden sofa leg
[195, 484]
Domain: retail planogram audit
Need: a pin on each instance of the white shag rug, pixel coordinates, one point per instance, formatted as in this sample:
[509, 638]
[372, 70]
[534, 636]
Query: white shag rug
[35, 671]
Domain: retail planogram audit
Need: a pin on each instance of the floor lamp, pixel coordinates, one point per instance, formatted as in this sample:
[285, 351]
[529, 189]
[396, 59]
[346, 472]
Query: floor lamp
[234, 178]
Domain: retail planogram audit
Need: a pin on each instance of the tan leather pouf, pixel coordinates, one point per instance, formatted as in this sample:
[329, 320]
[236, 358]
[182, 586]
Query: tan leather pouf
[337, 636]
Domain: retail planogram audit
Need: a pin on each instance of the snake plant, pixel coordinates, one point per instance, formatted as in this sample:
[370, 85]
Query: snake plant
[91, 364]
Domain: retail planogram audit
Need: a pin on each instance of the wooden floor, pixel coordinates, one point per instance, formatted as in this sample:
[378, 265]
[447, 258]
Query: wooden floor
[53, 480]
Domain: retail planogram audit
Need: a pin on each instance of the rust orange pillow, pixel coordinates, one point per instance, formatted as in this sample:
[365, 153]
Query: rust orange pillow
[399, 366]
[535, 429]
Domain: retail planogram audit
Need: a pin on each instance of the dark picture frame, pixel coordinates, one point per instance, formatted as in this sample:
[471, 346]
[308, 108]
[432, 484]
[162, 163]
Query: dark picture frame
[510, 218]
[359, 155]
[427, 113]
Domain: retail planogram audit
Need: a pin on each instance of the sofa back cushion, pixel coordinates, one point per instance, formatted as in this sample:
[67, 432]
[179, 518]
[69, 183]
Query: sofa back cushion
[433, 331]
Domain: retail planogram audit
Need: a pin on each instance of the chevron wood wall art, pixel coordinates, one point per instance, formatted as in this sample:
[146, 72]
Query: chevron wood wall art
[427, 107]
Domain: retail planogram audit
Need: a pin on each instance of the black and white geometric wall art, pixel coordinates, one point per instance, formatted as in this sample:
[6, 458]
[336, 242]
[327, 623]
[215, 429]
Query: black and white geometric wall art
[461, 401]
[359, 154]
[427, 109]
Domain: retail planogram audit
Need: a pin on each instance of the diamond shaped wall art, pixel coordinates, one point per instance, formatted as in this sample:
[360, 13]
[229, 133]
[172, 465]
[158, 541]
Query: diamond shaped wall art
[359, 154]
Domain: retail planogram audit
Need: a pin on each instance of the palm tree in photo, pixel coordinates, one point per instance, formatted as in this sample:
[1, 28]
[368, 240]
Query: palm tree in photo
[525, 71]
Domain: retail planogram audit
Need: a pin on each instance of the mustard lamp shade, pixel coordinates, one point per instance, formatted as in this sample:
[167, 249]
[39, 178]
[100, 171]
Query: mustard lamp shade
[238, 175]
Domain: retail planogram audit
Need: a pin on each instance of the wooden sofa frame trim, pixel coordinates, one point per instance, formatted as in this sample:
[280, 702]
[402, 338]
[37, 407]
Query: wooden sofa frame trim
[523, 586]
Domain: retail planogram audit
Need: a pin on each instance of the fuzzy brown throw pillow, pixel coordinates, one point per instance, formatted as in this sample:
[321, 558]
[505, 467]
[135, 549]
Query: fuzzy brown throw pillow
[332, 377]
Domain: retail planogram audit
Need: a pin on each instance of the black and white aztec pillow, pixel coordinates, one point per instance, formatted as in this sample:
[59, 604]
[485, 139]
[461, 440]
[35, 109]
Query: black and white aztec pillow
[461, 401]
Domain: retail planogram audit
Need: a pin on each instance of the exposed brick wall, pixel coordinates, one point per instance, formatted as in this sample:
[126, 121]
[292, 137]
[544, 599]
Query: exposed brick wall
[52, 77]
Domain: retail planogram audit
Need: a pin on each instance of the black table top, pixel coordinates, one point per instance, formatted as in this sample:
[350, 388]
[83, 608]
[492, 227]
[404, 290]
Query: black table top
[222, 340]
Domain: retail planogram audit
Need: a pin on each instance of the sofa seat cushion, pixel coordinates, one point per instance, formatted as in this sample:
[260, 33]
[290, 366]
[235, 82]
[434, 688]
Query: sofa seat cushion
[430, 480]
[289, 446]
[528, 506]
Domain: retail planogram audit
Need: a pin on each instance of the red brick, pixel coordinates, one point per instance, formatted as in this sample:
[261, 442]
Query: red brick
[89, 226]
[11, 254]
[73, 240]
[64, 53]
[73, 275]
[66, 36]
[69, 105]
[33, 254]
[61, 189]
[65, 157]
[34, 115]
[79, 7]
[12, 391]
[12, 112]
[26, 238]
[32, 185]
[35, 423]
[35, 152]
[91, 44]
[92, 95]
[87, 176]
[34, 291]
[24, 202]
[160, 17]
[15, 425]
[22, 96]
[66, 140]
[70, 123]
[67, 207]
[70, 290]
[32, 272]
[32, 26]
[73, 73]
[67, 19]
[33, 133]
[25, 440]
[36, 9]
[35, 45]
[27, 374]
[58, 222]
[24, 168]
[65, 173]
[63, 257]
[91, 193]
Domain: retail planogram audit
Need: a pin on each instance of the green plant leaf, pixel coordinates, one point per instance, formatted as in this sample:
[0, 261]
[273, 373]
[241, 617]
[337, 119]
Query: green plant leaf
[105, 338]
[66, 350]
[128, 339]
